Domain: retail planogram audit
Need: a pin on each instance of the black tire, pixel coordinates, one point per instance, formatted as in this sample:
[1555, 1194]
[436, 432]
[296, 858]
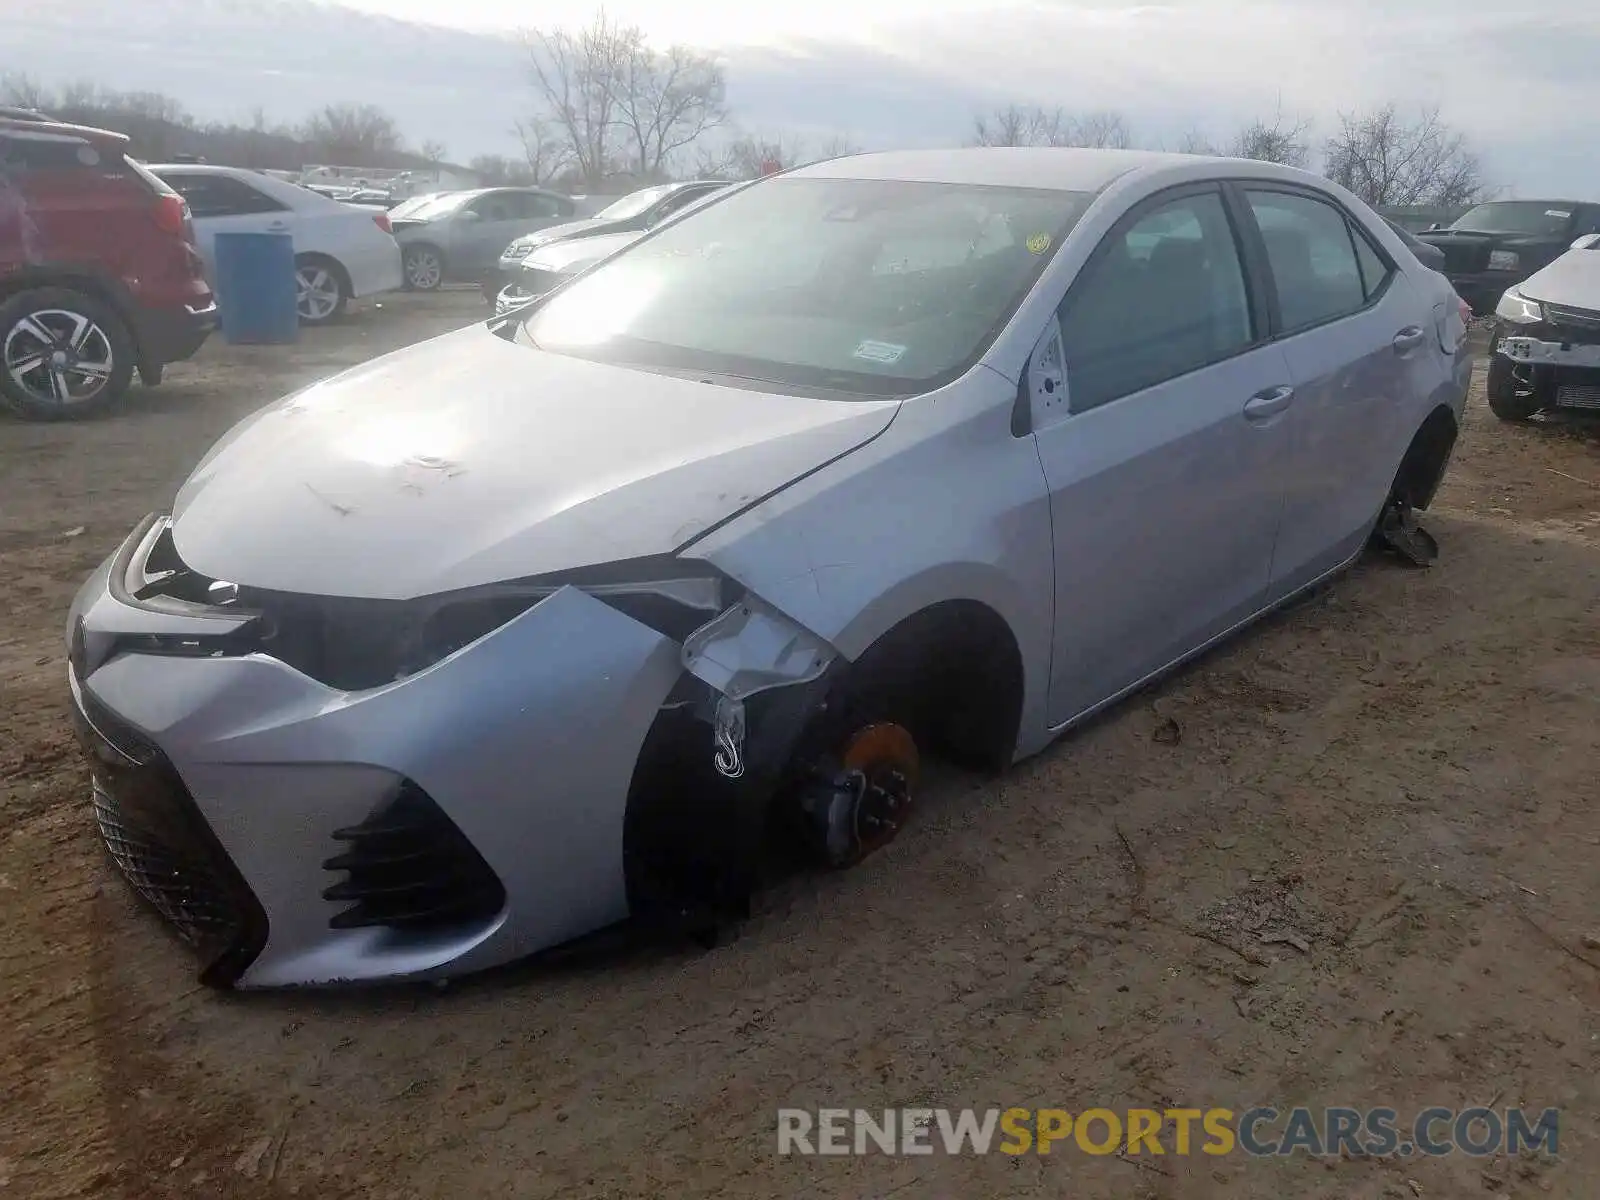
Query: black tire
[36, 326]
[322, 289]
[1506, 400]
[422, 266]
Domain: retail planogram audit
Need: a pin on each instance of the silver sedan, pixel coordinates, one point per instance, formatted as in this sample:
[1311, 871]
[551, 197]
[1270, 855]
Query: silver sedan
[568, 617]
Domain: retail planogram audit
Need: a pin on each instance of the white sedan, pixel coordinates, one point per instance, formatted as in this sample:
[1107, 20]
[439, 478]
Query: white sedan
[342, 252]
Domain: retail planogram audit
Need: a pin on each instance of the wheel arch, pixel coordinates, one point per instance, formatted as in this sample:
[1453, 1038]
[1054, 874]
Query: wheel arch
[1423, 465]
[322, 258]
[966, 654]
[85, 279]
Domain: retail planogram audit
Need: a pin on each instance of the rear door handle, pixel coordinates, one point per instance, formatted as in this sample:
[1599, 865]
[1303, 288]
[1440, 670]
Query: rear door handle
[1268, 403]
[1409, 338]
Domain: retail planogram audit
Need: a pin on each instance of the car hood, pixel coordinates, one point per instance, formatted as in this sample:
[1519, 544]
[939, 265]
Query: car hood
[469, 459]
[574, 255]
[587, 227]
[1572, 280]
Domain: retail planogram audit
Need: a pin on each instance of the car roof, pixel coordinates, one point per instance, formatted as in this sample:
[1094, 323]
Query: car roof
[1058, 168]
[42, 126]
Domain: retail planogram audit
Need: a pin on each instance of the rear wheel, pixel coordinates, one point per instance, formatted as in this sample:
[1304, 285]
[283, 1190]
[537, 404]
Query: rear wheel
[63, 354]
[320, 291]
[423, 267]
[1510, 399]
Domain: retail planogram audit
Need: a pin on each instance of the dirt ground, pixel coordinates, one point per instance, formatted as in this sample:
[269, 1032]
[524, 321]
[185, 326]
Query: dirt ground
[1403, 767]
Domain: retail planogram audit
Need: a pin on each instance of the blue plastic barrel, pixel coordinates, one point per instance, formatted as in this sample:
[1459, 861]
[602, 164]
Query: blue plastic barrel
[255, 288]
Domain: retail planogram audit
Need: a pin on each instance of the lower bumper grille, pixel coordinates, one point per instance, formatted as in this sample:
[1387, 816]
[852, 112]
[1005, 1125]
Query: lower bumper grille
[1578, 395]
[408, 867]
[162, 845]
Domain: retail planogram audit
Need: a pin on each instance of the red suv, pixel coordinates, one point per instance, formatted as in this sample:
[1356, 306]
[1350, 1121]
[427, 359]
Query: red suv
[99, 276]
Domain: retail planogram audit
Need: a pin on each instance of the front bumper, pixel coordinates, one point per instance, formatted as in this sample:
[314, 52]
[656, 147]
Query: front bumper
[1538, 352]
[526, 740]
[1564, 374]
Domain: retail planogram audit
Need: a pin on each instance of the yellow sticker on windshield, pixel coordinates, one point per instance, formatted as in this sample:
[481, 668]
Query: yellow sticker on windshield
[1039, 243]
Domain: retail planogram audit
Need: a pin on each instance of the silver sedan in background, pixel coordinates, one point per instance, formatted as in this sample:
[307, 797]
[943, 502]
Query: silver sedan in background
[567, 617]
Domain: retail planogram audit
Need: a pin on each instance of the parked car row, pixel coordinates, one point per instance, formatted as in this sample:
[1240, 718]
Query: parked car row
[342, 253]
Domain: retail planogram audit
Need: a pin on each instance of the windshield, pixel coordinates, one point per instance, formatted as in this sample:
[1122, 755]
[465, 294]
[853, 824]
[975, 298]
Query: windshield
[873, 287]
[632, 204]
[1518, 216]
[430, 208]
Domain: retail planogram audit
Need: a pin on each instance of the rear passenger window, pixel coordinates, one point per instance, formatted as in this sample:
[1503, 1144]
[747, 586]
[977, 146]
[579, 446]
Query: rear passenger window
[1374, 271]
[220, 196]
[46, 152]
[1313, 262]
[1163, 295]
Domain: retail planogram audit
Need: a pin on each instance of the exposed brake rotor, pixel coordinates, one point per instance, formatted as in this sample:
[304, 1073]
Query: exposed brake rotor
[863, 805]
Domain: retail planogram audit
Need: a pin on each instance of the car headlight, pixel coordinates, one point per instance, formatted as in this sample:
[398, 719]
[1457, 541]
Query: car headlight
[1504, 260]
[518, 250]
[1518, 309]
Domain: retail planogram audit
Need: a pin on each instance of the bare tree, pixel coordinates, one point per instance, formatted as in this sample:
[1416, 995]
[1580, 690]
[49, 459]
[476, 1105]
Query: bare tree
[496, 170]
[752, 155]
[664, 102]
[1009, 126]
[1283, 141]
[1195, 142]
[1102, 130]
[545, 152]
[578, 78]
[1015, 125]
[1386, 159]
[22, 90]
[837, 145]
[357, 135]
[434, 152]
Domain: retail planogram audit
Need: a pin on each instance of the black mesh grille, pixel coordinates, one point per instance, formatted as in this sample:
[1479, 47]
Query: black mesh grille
[159, 841]
[409, 867]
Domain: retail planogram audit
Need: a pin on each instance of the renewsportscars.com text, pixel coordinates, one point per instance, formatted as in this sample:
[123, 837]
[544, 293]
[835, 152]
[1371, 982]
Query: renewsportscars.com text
[1259, 1132]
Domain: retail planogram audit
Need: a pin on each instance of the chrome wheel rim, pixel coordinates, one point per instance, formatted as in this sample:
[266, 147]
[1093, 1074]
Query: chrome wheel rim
[59, 357]
[422, 268]
[316, 293]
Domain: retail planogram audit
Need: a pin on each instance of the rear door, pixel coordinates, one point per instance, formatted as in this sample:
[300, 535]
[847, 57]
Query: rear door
[223, 204]
[1356, 334]
[1161, 426]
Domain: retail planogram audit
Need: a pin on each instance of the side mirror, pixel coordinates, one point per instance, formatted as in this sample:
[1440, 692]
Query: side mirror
[1588, 241]
[469, 216]
[1432, 225]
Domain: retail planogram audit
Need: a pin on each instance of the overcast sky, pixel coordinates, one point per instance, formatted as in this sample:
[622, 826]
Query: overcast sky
[1520, 77]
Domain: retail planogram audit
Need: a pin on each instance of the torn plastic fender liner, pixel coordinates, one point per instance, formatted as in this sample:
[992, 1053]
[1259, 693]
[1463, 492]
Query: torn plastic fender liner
[699, 805]
[744, 651]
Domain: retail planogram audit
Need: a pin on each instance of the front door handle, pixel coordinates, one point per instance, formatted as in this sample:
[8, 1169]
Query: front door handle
[1408, 339]
[1268, 403]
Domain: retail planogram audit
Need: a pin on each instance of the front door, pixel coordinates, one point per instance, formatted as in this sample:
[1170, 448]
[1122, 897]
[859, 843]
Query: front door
[1163, 443]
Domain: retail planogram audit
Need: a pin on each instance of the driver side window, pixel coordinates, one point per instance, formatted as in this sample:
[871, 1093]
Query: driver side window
[1163, 295]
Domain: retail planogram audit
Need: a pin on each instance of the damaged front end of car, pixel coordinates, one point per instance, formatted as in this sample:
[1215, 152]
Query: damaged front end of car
[385, 786]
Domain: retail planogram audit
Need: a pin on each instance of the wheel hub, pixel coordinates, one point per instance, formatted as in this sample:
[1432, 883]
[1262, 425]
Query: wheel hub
[862, 806]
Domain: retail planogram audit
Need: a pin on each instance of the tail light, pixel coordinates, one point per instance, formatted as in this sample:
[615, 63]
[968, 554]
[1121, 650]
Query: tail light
[172, 216]
[382, 222]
